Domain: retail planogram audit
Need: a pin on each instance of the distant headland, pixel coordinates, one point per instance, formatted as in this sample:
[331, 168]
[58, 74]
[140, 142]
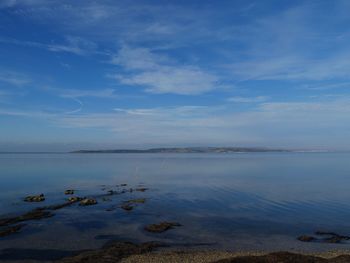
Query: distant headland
[188, 150]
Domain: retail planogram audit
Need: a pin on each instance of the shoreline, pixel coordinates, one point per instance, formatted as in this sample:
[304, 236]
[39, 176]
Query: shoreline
[152, 252]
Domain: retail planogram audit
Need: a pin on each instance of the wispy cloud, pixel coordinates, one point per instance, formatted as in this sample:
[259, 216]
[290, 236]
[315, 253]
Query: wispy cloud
[301, 43]
[287, 124]
[322, 86]
[273, 124]
[248, 99]
[158, 50]
[14, 78]
[80, 93]
[75, 45]
[71, 44]
[161, 74]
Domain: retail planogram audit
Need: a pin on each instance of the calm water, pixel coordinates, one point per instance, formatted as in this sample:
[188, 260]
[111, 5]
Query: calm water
[228, 201]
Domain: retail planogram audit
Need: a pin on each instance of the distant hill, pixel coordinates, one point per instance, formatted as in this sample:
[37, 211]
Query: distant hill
[187, 150]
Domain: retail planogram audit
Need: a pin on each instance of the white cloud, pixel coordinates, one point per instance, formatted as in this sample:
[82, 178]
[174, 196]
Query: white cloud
[13, 3]
[74, 45]
[79, 93]
[295, 68]
[139, 59]
[160, 74]
[14, 78]
[276, 124]
[71, 44]
[248, 99]
[301, 43]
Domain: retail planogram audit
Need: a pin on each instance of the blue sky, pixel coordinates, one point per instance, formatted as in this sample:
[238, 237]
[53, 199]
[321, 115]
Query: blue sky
[138, 74]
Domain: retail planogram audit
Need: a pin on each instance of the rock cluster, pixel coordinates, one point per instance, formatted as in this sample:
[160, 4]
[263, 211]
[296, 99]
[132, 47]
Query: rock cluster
[88, 201]
[330, 237]
[161, 227]
[35, 198]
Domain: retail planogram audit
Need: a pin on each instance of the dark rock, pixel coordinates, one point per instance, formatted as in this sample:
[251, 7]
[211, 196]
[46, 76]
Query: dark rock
[136, 201]
[161, 227]
[322, 233]
[111, 192]
[285, 257]
[11, 230]
[71, 201]
[112, 253]
[35, 198]
[325, 233]
[306, 238]
[75, 199]
[333, 239]
[69, 192]
[127, 207]
[88, 201]
[56, 207]
[35, 214]
[142, 189]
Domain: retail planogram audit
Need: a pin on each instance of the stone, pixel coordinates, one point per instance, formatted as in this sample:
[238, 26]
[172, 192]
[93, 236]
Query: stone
[161, 227]
[74, 199]
[88, 201]
[142, 189]
[11, 230]
[127, 207]
[305, 238]
[35, 198]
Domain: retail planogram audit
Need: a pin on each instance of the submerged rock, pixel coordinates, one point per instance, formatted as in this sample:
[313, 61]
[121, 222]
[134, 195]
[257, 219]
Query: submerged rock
[141, 189]
[11, 230]
[136, 201]
[71, 201]
[35, 214]
[69, 192]
[88, 201]
[161, 227]
[305, 238]
[127, 207]
[111, 192]
[35, 198]
[331, 237]
[74, 199]
[285, 257]
[112, 253]
[322, 233]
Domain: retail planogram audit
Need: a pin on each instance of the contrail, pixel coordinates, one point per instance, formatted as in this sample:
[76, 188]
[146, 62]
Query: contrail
[76, 110]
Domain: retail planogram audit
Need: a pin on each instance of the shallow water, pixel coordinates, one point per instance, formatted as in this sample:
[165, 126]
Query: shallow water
[250, 201]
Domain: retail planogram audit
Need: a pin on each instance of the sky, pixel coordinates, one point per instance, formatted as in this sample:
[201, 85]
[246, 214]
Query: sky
[110, 74]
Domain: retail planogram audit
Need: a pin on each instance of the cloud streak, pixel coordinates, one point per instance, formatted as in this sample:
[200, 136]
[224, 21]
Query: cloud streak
[161, 74]
[14, 78]
[248, 99]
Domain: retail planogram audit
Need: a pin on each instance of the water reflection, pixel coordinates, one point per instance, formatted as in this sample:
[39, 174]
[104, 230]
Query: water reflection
[231, 201]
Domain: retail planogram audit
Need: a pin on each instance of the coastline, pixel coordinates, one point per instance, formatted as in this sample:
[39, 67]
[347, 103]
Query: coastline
[126, 252]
